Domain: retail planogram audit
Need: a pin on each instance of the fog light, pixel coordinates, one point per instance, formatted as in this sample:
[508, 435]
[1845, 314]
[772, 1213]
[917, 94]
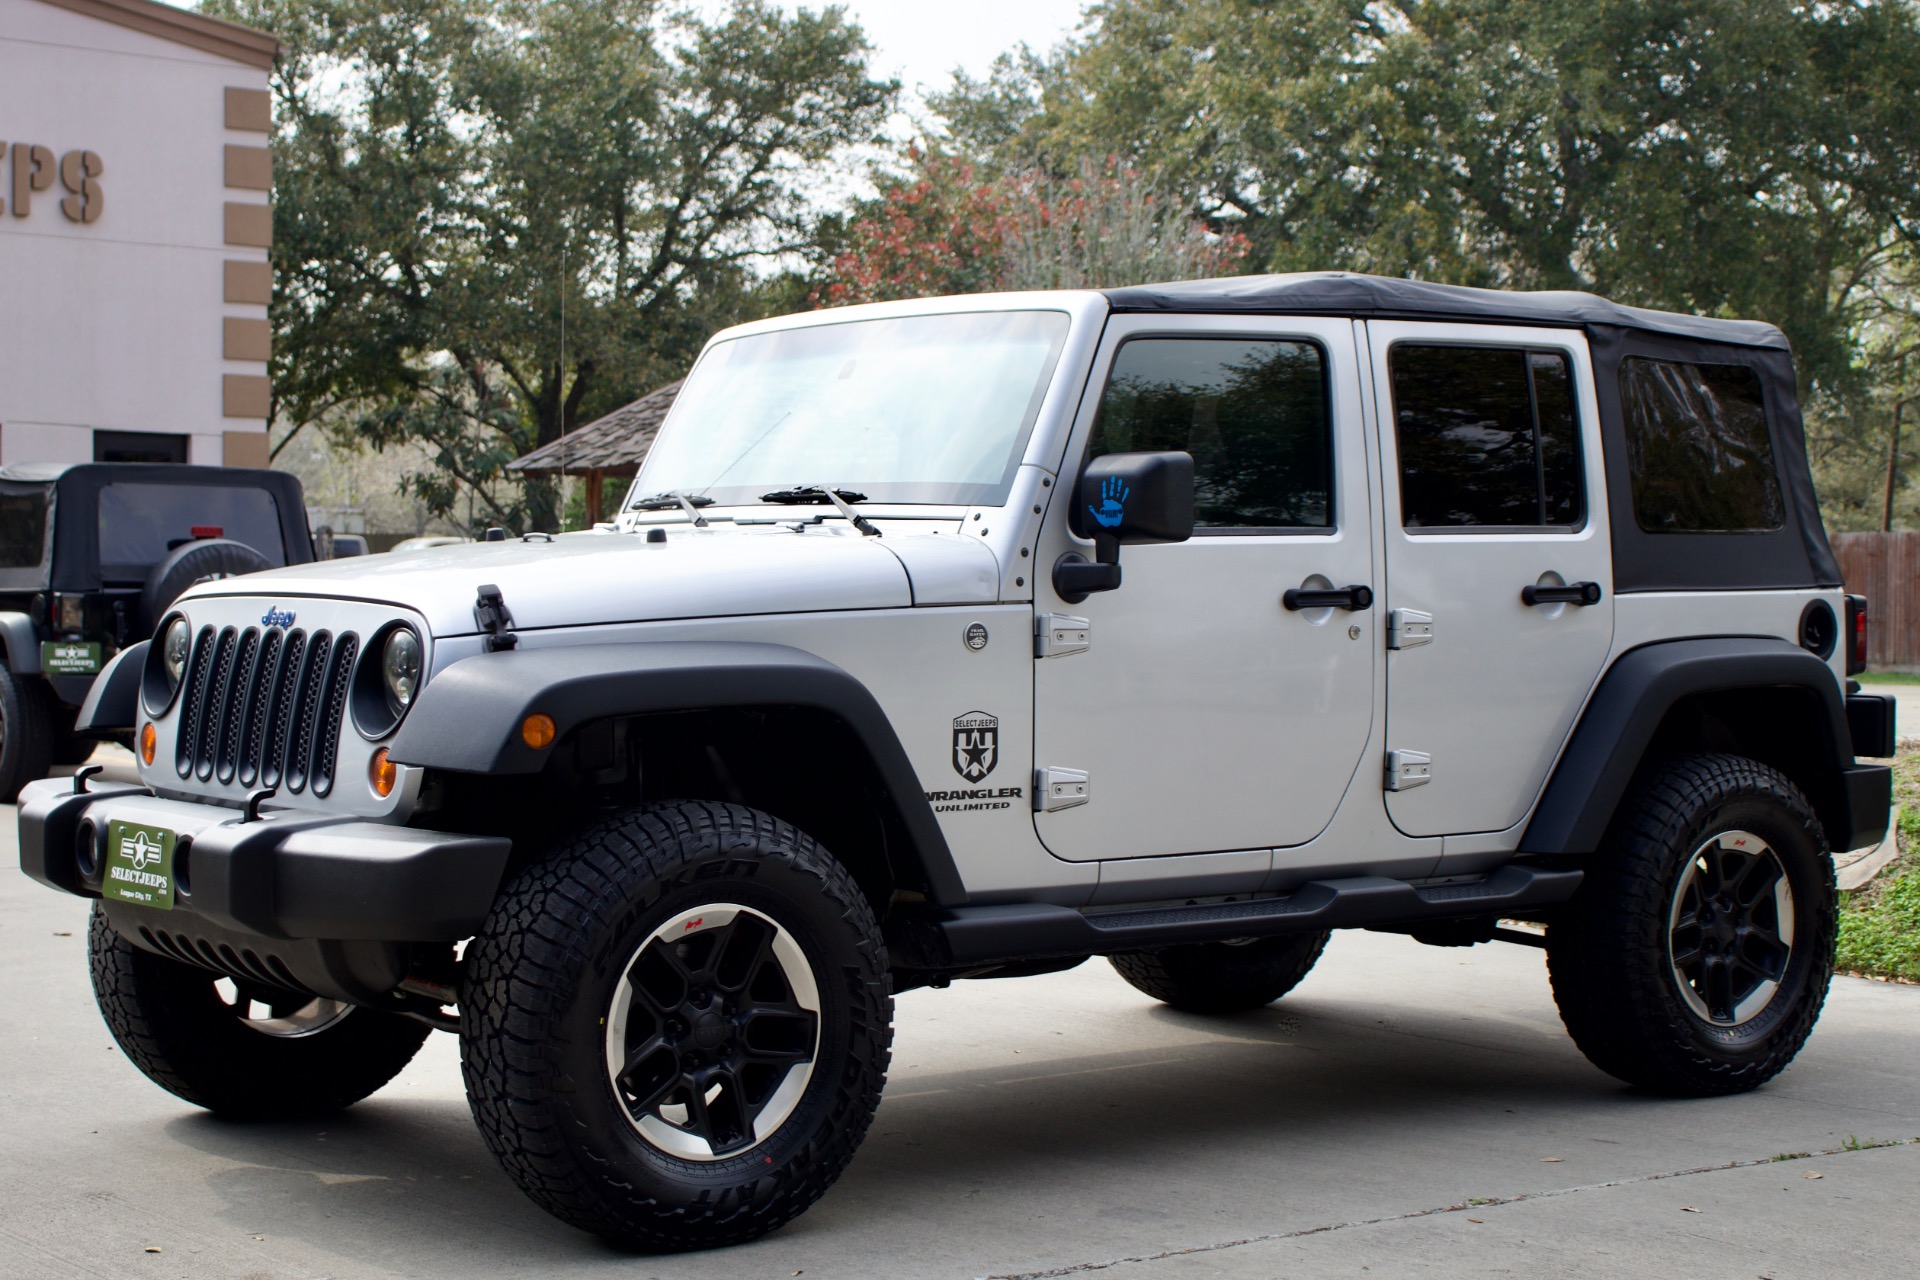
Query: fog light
[381, 773]
[537, 730]
[148, 741]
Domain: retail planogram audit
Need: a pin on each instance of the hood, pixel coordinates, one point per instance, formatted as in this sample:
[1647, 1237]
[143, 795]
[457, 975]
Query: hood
[583, 579]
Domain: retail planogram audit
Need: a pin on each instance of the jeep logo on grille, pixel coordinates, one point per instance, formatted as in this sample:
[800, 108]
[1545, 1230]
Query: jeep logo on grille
[277, 618]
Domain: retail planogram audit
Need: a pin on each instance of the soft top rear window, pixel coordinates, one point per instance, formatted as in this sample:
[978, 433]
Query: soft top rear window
[141, 523]
[1698, 447]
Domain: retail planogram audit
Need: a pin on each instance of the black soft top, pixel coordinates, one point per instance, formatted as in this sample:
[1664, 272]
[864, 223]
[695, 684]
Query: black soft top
[1381, 298]
[1795, 556]
[72, 534]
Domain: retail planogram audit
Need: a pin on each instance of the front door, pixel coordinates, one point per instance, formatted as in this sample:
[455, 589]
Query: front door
[1498, 564]
[1207, 715]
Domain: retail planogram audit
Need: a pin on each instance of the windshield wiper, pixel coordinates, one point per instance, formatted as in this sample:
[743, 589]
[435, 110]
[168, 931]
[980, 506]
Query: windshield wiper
[687, 502]
[843, 499]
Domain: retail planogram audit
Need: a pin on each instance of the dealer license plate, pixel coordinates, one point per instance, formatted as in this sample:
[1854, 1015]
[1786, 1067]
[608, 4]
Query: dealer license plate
[70, 657]
[139, 865]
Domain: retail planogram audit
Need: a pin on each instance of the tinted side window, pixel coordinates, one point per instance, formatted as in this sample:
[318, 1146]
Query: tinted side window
[1253, 413]
[1698, 448]
[140, 523]
[23, 530]
[1486, 435]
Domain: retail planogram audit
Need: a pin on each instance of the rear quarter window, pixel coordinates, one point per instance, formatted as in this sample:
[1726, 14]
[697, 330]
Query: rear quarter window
[23, 530]
[1698, 448]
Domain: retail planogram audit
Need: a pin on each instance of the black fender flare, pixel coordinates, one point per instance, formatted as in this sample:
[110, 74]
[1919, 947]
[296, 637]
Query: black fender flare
[468, 716]
[113, 703]
[1634, 697]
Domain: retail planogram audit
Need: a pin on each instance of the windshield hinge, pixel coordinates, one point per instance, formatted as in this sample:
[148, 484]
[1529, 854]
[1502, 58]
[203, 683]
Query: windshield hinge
[1055, 634]
[491, 616]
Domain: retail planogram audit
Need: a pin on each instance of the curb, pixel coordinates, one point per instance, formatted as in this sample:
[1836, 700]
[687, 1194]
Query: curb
[1861, 871]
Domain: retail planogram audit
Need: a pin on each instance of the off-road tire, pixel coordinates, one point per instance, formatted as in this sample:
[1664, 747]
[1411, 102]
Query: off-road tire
[1222, 977]
[169, 1019]
[26, 733]
[542, 975]
[1608, 952]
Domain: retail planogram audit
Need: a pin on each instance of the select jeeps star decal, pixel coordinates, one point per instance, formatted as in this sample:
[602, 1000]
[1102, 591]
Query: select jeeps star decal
[277, 617]
[976, 745]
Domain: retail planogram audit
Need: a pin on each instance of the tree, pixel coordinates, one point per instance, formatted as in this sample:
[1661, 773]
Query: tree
[1749, 157]
[495, 217]
[949, 227]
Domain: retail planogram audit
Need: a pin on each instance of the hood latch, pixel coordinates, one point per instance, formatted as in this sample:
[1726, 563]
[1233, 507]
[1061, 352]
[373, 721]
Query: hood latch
[491, 616]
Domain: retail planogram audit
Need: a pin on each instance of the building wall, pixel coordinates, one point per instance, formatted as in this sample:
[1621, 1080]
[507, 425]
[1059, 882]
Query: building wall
[132, 321]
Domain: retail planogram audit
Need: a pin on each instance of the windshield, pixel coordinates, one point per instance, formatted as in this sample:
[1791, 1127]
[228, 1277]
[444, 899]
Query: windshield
[922, 409]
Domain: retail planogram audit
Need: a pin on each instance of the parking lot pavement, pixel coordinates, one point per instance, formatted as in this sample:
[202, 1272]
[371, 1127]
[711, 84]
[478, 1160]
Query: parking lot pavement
[1406, 1110]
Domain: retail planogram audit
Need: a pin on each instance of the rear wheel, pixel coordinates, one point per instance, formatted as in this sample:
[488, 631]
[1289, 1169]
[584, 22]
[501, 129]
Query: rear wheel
[1697, 956]
[1223, 977]
[26, 732]
[676, 1026]
[240, 1050]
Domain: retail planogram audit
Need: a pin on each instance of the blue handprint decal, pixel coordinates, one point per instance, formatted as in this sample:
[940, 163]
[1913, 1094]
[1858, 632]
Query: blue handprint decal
[1113, 503]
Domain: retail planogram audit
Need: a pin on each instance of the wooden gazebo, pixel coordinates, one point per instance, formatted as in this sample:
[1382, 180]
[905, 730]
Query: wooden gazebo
[614, 444]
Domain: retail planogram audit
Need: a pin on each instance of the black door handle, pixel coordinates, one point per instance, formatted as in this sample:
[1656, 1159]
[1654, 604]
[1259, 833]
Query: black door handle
[1580, 593]
[1351, 599]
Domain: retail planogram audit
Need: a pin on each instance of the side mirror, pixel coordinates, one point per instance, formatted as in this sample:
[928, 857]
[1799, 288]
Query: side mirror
[1125, 497]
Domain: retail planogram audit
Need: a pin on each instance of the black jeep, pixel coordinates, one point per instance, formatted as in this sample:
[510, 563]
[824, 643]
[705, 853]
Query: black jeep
[91, 555]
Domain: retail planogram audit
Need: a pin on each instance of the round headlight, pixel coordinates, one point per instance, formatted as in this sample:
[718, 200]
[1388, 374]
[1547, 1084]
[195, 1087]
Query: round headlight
[173, 651]
[400, 668]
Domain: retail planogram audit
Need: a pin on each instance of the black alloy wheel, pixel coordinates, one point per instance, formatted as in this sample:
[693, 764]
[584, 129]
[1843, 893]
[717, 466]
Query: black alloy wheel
[713, 1031]
[1730, 936]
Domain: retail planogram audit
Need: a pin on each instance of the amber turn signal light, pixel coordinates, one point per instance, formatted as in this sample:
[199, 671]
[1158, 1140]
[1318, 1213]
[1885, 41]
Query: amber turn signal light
[381, 773]
[537, 730]
[149, 740]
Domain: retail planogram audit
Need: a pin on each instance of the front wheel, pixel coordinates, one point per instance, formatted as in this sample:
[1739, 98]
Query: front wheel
[242, 1051]
[676, 1026]
[1697, 956]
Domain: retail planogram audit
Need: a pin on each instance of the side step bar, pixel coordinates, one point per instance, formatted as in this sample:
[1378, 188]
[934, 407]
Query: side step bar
[971, 936]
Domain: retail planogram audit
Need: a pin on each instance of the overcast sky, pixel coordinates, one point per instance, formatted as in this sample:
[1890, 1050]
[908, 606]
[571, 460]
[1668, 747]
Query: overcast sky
[921, 41]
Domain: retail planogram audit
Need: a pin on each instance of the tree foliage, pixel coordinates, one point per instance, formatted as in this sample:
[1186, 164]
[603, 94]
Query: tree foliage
[949, 226]
[1747, 157]
[496, 217]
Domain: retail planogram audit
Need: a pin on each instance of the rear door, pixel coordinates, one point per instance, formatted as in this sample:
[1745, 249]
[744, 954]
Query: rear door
[1499, 588]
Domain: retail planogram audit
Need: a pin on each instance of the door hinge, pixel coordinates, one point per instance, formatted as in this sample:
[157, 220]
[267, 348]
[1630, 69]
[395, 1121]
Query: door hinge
[1409, 629]
[1408, 769]
[1056, 788]
[1056, 634]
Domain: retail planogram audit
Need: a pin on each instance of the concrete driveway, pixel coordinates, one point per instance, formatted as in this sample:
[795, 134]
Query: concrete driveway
[1407, 1111]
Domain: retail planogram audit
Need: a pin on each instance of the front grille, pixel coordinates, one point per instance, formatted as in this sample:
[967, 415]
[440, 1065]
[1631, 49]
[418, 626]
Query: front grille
[265, 707]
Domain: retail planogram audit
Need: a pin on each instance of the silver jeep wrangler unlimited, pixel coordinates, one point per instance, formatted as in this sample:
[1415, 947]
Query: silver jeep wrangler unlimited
[973, 637]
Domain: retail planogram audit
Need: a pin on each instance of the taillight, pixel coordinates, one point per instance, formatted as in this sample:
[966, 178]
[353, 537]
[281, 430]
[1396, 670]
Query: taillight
[1856, 635]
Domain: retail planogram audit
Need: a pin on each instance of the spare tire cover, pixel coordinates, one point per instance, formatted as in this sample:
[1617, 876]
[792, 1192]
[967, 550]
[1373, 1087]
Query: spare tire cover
[193, 562]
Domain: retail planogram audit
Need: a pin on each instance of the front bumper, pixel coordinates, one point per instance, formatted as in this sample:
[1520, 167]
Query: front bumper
[284, 875]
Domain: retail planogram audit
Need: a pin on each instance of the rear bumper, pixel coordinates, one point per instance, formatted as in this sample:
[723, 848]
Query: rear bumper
[281, 876]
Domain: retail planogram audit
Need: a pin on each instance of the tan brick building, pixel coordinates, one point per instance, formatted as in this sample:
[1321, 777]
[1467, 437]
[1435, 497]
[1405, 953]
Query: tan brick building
[135, 216]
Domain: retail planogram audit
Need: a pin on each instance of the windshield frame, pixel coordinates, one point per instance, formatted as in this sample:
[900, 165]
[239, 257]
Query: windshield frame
[887, 498]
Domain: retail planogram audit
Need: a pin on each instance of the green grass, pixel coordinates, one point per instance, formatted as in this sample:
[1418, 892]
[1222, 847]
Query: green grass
[1888, 677]
[1880, 924]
